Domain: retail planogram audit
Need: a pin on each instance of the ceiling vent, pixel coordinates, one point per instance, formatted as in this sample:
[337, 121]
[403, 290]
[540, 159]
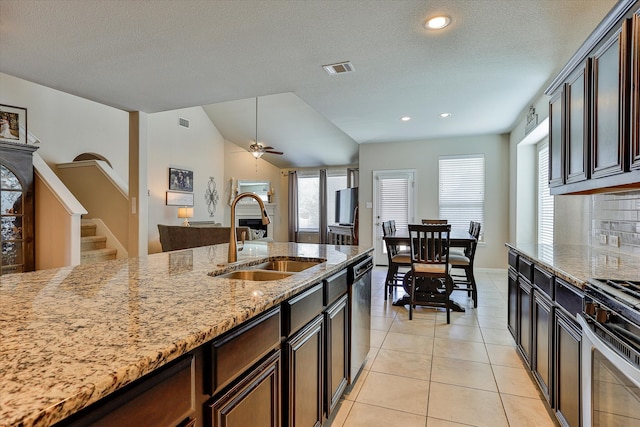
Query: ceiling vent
[339, 68]
[183, 122]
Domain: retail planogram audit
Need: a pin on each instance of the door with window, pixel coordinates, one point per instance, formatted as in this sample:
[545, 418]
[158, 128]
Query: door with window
[393, 199]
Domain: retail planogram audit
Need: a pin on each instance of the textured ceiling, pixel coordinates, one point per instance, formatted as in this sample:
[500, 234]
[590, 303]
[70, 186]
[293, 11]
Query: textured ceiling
[158, 55]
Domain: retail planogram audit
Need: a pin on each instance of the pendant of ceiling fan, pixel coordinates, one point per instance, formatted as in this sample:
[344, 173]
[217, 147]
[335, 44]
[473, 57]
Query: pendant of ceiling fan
[257, 149]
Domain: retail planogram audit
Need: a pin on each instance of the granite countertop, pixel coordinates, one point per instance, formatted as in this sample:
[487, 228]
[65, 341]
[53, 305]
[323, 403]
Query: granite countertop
[578, 263]
[71, 336]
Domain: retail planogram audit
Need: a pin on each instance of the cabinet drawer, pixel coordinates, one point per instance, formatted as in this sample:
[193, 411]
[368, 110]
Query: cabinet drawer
[235, 353]
[299, 310]
[334, 287]
[513, 259]
[164, 399]
[568, 297]
[525, 268]
[543, 281]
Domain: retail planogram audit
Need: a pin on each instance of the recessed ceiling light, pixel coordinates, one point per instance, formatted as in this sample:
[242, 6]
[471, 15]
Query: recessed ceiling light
[437, 22]
[444, 115]
[405, 118]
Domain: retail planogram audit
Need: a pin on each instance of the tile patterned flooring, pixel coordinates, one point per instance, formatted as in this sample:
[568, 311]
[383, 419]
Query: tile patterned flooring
[423, 372]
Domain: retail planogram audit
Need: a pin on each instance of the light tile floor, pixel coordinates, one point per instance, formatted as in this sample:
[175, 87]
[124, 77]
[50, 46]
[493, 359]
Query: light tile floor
[425, 373]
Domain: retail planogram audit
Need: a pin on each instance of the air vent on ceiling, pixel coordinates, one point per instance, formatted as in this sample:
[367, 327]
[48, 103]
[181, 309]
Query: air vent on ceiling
[183, 122]
[339, 68]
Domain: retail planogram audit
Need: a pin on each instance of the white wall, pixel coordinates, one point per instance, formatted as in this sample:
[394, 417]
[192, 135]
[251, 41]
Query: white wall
[423, 156]
[68, 125]
[199, 148]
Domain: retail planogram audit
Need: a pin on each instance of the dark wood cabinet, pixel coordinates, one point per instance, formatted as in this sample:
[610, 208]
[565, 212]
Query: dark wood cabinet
[577, 125]
[17, 208]
[337, 357]
[610, 105]
[556, 138]
[567, 369]
[304, 375]
[525, 291]
[254, 400]
[634, 82]
[541, 358]
[512, 304]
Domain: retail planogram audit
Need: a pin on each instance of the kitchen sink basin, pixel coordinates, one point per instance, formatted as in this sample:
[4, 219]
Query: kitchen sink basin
[288, 265]
[255, 275]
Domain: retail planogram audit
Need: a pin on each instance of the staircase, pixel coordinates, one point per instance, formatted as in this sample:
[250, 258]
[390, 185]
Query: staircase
[93, 248]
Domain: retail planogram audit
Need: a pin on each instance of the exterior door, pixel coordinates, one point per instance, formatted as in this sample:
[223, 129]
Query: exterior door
[393, 199]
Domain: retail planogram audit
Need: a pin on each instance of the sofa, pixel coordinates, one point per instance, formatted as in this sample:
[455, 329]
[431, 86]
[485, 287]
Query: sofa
[175, 237]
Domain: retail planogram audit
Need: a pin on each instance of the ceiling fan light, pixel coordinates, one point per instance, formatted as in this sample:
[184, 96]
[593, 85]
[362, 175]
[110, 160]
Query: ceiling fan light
[257, 154]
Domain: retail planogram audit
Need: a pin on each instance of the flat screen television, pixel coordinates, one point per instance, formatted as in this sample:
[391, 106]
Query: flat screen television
[346, 202]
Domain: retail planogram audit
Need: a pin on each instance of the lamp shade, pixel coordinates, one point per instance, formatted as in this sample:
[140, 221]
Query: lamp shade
[257, 154]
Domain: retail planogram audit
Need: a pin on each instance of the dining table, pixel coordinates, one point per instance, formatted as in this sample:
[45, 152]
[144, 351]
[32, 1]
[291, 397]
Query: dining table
[457, 238]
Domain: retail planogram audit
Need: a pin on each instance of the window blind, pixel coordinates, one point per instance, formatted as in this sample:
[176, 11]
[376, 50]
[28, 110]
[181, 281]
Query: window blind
[461, 190]
[545, 199]
[394, 201]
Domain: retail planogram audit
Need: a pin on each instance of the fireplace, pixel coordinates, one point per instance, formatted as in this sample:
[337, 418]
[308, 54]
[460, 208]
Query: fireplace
[248, 214]
[254, 223]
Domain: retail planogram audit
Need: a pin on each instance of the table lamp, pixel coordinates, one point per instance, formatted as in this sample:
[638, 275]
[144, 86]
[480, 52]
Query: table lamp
[185, 213]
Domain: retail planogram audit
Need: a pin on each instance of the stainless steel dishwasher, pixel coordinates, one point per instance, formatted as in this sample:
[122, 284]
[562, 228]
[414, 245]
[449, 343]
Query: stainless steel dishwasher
[360, 312]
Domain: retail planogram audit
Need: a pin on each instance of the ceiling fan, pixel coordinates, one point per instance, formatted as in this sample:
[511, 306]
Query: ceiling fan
[257, 149]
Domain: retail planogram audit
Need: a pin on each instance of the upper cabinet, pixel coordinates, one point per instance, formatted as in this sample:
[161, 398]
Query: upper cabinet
[594, 110]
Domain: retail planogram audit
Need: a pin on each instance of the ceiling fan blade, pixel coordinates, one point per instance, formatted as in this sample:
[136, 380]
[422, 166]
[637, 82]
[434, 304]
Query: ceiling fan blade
[273, 152]
[267, 147]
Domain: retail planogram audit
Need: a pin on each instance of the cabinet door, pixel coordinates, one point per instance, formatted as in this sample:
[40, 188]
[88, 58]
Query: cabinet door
[252, 401]
[635, 92]
[576, 126]
[556, 139]
[337, 357]
[542, 341]
[304, 376]
[567, 369]
[610, 143]
[512, 305]
[524, 317]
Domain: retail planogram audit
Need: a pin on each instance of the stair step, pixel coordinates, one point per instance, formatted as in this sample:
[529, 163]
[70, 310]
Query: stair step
[97, 255]
[89, 243]
[87, 229]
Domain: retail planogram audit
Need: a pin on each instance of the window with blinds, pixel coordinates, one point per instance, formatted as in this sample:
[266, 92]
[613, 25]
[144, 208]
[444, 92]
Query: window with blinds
[545, 200]
[394, 200]
[461, 190]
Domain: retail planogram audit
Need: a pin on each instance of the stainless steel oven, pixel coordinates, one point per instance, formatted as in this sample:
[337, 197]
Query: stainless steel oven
[611, 354]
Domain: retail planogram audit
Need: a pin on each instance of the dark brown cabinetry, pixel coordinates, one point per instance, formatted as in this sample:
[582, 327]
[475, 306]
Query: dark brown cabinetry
[634, 82]
[512, 304]
[525, 294]
[593, 142]
[541, 358]
[17, 208]
[337, 333]
[567, 369]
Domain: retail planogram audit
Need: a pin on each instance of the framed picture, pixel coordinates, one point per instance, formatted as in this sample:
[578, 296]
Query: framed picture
[180, 179]
[13, 124]
[177, 198]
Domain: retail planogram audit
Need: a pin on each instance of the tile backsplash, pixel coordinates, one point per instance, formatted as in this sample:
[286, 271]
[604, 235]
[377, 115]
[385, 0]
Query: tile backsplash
[616, 216]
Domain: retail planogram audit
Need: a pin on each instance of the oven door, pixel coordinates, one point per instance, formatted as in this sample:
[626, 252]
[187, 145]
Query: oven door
[610, 384]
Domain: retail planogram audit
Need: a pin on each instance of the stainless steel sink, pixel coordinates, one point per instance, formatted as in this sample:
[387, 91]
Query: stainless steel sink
[255, 275]
[287, 265]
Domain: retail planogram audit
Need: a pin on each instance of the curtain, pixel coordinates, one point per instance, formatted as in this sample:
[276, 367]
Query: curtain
[324, 226]
[293, 206]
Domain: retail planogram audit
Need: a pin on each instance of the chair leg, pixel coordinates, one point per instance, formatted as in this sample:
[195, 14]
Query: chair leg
[391, 274]
[474, 288]
[412, 297]
[448, 286]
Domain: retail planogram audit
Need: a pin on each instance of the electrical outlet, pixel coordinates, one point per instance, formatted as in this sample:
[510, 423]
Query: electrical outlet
[603, 239]
[613, 241]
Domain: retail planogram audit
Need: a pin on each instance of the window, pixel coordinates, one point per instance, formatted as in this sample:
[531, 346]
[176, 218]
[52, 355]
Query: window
[308, 201]
[545, 200]
[461, 190]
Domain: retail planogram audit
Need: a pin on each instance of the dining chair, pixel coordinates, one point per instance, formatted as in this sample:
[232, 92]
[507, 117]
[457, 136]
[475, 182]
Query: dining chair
[399, 263]
[434, 221]
[461, 251]
[465, 280]
[431, 282]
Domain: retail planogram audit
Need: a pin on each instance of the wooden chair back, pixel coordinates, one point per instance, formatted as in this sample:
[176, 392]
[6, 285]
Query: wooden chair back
[430, 243]
[434, 221]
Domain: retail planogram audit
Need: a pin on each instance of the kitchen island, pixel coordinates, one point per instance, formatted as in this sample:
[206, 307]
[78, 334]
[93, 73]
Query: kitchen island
[73, 336]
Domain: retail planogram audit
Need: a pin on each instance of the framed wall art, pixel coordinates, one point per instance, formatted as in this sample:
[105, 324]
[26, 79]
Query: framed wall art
[13, 124]
[177, 198]
[180, 179]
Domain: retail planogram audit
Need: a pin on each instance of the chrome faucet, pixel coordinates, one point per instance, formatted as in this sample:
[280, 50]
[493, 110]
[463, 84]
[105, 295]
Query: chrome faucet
[233, 236]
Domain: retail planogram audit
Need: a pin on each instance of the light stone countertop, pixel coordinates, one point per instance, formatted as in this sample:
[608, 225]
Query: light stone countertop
[578, 263]
[70, 336]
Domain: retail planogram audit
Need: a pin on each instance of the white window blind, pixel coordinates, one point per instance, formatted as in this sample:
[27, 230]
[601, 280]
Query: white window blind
[308, 201]
[394, 200]
[545, 200]
[461, 190]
